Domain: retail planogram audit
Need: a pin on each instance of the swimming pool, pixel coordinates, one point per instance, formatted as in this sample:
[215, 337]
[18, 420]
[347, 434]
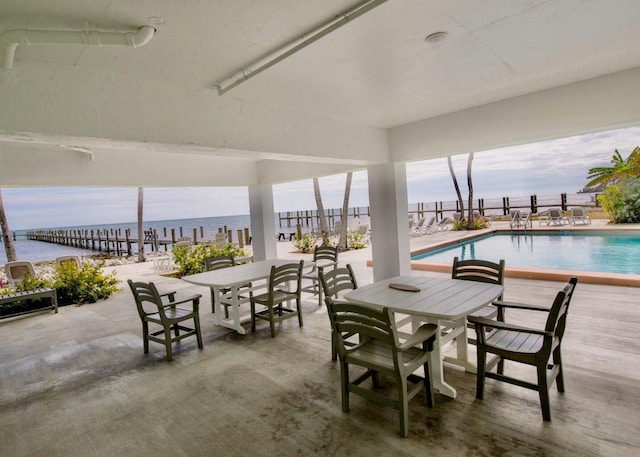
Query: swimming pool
[604, 252]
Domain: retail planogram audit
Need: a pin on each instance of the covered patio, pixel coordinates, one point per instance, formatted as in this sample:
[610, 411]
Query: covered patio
[78, 383]
[188, 105]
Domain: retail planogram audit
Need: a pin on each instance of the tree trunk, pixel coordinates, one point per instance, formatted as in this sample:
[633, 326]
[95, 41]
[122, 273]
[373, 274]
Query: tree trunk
[324, 229]
[455, 184]
[6, 236]
[342, 245]
[470, 184]
[141, 256]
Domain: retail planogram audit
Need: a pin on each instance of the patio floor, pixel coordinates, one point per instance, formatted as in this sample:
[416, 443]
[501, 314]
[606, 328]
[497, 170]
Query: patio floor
[78, 384]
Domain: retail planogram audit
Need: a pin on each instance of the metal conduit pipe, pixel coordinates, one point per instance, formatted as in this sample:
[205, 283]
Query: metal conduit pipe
[295, 46]
[10, 39]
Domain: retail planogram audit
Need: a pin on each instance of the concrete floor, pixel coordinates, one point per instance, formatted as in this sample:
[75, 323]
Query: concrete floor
[78, 384]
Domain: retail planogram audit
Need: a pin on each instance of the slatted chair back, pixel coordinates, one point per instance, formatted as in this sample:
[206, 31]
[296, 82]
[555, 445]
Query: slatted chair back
[337, 280]
[218, 262]
[478, 270]
[332, 283]
[285, 278]
[557, 318]
[147, 298]
[328, 253]
[369, 324]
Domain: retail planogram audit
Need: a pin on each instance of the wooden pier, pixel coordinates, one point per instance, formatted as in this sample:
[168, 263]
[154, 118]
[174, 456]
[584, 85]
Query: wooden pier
[114, 241]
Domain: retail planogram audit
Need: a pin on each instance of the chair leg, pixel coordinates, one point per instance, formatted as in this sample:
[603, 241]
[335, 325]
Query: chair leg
[145, 336]
[344, 377]
[167, 343]
[403, 406]
[428, 384]
[319, 292]
[196, 324]
[253, 317]
[543, 390]
[299, 308]
[481, 367]
[213, 301]
[334, 351]
[272, 323]
[375, 378]
[557, 361]
[176, 329]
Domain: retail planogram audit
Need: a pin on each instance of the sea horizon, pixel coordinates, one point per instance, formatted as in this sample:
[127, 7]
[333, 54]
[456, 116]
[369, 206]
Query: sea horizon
[207, 227]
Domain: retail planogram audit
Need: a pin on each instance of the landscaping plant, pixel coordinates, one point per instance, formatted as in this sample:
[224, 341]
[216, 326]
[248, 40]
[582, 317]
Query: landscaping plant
[191, 261]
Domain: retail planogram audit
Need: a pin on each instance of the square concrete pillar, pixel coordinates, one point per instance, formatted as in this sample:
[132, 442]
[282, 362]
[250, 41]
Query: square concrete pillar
[263, 223]
[389, 207]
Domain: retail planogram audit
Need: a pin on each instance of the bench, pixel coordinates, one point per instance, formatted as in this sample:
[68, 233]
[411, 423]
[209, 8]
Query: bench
[30, 295]
[283, 235]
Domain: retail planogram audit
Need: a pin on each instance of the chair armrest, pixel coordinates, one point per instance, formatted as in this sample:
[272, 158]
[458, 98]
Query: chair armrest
[171, 295]
[506, 304]
[194, 298]
[482, 322]
[425, 332]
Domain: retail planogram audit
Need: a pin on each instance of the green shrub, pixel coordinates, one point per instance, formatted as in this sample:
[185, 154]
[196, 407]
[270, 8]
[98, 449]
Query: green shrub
[305, 243]
[87, 284]
[191, 261]
[628, 210]
[610, 200]
[73, 286]
[478, 223]
[356, 240]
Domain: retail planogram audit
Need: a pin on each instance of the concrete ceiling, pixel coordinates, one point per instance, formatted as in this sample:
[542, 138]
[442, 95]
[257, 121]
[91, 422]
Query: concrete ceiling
[342, 103]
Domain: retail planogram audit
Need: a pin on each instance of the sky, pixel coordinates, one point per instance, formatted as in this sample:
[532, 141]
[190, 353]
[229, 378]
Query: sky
[542, 168]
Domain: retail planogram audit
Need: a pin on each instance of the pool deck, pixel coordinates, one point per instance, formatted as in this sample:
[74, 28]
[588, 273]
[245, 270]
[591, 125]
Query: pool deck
[442, 239]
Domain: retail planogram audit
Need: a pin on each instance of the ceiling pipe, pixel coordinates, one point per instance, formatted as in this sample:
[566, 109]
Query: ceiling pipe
[10, 39]
[291, 48]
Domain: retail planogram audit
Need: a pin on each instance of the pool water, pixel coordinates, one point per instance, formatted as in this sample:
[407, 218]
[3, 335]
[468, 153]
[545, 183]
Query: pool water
[605, 252]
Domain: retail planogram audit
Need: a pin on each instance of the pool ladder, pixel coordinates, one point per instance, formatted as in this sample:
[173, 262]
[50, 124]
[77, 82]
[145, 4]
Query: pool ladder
[518, 219]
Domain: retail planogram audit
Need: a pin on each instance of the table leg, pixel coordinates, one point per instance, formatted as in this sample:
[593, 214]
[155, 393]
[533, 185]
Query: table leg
[437, 369]
[436, 358]
[234, 321]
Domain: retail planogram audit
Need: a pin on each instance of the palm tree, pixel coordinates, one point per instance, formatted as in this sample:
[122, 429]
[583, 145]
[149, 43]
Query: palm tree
[619, 171]
[342, 244]
[324, 229]
[6, 238]
[470, 185]
[141, 256]
[455, 184]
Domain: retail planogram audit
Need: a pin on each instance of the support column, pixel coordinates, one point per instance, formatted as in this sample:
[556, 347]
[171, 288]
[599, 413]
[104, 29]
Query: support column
[389, 205]
[263, 223]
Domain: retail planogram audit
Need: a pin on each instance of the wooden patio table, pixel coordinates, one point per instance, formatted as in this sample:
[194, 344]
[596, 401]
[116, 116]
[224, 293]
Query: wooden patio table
[445, 302]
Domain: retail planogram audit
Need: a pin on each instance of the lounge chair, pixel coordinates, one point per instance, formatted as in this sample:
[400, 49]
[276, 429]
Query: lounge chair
[555, 216]
[17, 270]
[443, 225]
[578, 215]
[431, 226]
[416, 229]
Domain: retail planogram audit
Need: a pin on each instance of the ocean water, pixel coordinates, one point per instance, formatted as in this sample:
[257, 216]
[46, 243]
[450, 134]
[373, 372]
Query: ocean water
[36, 251]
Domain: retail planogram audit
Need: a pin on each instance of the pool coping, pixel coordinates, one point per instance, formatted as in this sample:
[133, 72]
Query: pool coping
[587, 277]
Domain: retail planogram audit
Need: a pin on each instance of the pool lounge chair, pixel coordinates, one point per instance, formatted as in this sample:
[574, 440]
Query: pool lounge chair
[443, 225]
[555, 216]
[579, 216]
